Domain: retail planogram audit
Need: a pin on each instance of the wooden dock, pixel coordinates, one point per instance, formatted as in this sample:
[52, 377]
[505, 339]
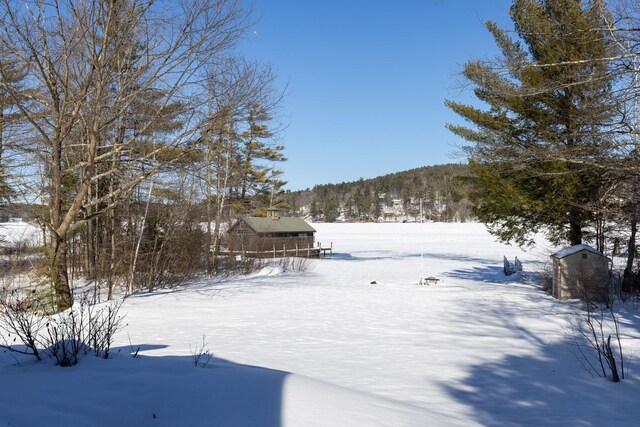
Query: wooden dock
[284, 252]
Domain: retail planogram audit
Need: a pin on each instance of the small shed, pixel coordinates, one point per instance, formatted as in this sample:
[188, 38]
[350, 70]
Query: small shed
[273, 233]
[580, 271]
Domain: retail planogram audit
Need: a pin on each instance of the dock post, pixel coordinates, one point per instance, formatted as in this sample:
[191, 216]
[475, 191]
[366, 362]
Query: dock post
[296, 250]
[331, 250]
[274, 250]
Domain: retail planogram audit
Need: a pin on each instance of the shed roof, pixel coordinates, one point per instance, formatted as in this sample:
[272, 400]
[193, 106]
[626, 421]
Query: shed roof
[574, 250]
[280, 225]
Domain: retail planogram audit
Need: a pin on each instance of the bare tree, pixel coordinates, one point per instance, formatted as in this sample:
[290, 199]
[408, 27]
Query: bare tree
[88, 64]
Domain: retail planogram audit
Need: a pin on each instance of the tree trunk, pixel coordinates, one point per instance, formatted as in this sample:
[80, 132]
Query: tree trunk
[90, 267]
[112, 254]
[132, 273]
[575, 232]
[62, 223]
[1, 131]
[600, 234]
[209, 214]
[612, 361]
[628, 277]
[59, 276]
[63, 299]
[222, 182]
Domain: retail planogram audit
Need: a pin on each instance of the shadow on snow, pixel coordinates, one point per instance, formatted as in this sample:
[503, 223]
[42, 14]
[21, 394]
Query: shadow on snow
[394, 255]
[220, 286]
[543, 390]
[487, 273]
[547, 386]
[159, 390]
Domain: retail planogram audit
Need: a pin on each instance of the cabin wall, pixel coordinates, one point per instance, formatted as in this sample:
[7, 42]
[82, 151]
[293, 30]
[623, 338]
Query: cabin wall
[240, 237]
[244, 239]
[267, 243]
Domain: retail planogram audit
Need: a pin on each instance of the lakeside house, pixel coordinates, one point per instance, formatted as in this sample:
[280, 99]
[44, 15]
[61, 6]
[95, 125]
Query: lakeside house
[270, 234]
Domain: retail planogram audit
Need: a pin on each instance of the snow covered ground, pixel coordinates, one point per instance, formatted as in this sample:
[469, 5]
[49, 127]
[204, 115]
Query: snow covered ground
[20, 233]
[326, 347]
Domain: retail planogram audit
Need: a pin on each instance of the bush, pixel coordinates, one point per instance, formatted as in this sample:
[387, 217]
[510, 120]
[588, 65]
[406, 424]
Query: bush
[200, 353]
[20, 324]
[591, 331]
[229, 265]
[545, 277]
[84, 328]
[295, 264]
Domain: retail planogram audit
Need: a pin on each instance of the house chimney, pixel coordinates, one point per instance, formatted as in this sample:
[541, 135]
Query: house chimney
[273, 213]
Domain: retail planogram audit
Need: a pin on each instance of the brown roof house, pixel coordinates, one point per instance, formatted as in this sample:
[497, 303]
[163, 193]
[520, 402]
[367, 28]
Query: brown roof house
[580, 271]
[272, 236]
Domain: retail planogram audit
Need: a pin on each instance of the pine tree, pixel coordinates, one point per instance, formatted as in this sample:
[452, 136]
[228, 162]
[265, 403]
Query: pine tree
[10, 76]
[258, 179]
[548, 111]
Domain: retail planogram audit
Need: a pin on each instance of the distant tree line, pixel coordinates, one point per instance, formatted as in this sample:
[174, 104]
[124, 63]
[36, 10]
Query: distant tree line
[394, 197]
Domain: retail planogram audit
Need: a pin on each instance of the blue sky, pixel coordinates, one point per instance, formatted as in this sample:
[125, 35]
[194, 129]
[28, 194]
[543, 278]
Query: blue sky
[367, 80]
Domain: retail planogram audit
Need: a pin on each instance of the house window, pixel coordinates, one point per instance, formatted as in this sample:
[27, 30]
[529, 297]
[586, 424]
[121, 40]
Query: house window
[584, 256]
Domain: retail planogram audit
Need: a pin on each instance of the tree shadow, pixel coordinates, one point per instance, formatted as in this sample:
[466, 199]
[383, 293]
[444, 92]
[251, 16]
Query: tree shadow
[370, 256]
[543, 389]
[387, 255]
[458, 257]
[145, 390]
[548, 385]
[487, 273]
[216, 286]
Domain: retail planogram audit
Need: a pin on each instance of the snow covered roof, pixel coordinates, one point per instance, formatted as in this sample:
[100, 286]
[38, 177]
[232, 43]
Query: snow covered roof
[574, 250]
[280, 225]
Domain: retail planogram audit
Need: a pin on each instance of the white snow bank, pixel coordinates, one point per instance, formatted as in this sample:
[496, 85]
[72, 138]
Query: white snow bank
[171, 391]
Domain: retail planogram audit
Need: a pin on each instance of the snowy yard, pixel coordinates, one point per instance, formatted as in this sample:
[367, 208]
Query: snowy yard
[326, 347]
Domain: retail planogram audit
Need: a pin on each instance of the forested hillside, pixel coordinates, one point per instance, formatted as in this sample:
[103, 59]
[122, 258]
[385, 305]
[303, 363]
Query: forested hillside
[393, 197]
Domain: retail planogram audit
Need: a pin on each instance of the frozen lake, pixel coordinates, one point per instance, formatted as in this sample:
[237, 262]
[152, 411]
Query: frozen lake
[327, 347]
